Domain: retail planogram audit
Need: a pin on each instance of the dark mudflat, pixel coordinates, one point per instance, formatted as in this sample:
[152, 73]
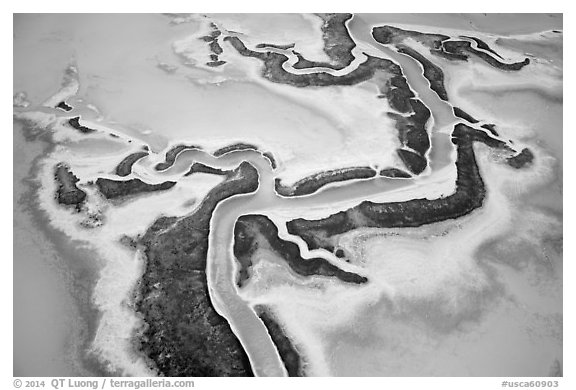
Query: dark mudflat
[338, 44]
[75, 123]
[525, 157]
[113, 189]
[215, 64]
[124, 168]
[313, 183]
[441, 45]
[172, 154]
[216, 48]
[254, 231]
[460, 113]
[64, 106]
[68, 193]
[483, 45]
[491, 128]
[413, 161]
[432, 73]
[234, 148]
[201, 168]
[469, 195]
[271, 159]
[288, 353]
[184, 335]
[412, 129]
[394, 172]
[273, 46]
[463, 47]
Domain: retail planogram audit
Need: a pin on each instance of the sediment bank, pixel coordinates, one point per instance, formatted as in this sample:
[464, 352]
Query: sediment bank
[442, 46]
[254, 231]
[525, 157]
[113, 189]
[184, 335]
[75, 123]
[313, 183]
[338, 44]
[172, 154]
[432, 73]
[68, 193]
[460, 113]
[412, 129]
[234, 148]
[202, 168]
[124, 168]
[469, 195]
[64, 106]
[288, 353]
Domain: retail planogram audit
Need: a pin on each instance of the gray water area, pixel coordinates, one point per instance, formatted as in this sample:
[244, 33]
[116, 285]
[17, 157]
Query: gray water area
[53, 319]
[495, 23]
[441, 111]
[51, 294]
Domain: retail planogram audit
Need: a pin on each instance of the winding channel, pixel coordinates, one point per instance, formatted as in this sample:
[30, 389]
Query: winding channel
[221, 263]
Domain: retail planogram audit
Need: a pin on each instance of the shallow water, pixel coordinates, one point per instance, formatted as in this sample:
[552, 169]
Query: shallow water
[156, 108]
[500, 24]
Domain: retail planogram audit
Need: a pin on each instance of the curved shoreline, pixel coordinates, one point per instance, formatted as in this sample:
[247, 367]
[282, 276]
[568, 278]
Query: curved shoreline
[185, 336]
[174, 282]
[313, 183]
[288, 353]
[412, 129]
[68, 193]
[483, 45]
[124, 168]
[469, 195]
[445, 46]
[113, 189]
[75, 123]
[64, 106]
[256, 231]
[431, 72]
[460, 113]
[233, 148]
[338, 44]
[202, 168]
[172, 154]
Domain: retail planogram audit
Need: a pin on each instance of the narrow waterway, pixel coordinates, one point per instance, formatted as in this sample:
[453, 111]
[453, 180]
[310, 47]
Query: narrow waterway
[221, 264]
[443, 118]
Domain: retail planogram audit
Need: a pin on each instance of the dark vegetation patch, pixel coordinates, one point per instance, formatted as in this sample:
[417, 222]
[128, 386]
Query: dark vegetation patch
[75, 123]
[288, 353]
[313, 183]
[525, 157]
[432, 73]
[233, 148]
[273, 46]
[172, 154]
[394, 172]
[184, 335]
[412, 129]
[491, 128]
[113, 189]
[469, 195]
[441, 45]
[201, 168]
[460, 113]
[124, 168]
[64, 106]
[254, 231]
[68, 193]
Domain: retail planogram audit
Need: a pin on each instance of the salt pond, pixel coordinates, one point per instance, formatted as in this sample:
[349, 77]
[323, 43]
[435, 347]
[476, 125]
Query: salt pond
[398, 319]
